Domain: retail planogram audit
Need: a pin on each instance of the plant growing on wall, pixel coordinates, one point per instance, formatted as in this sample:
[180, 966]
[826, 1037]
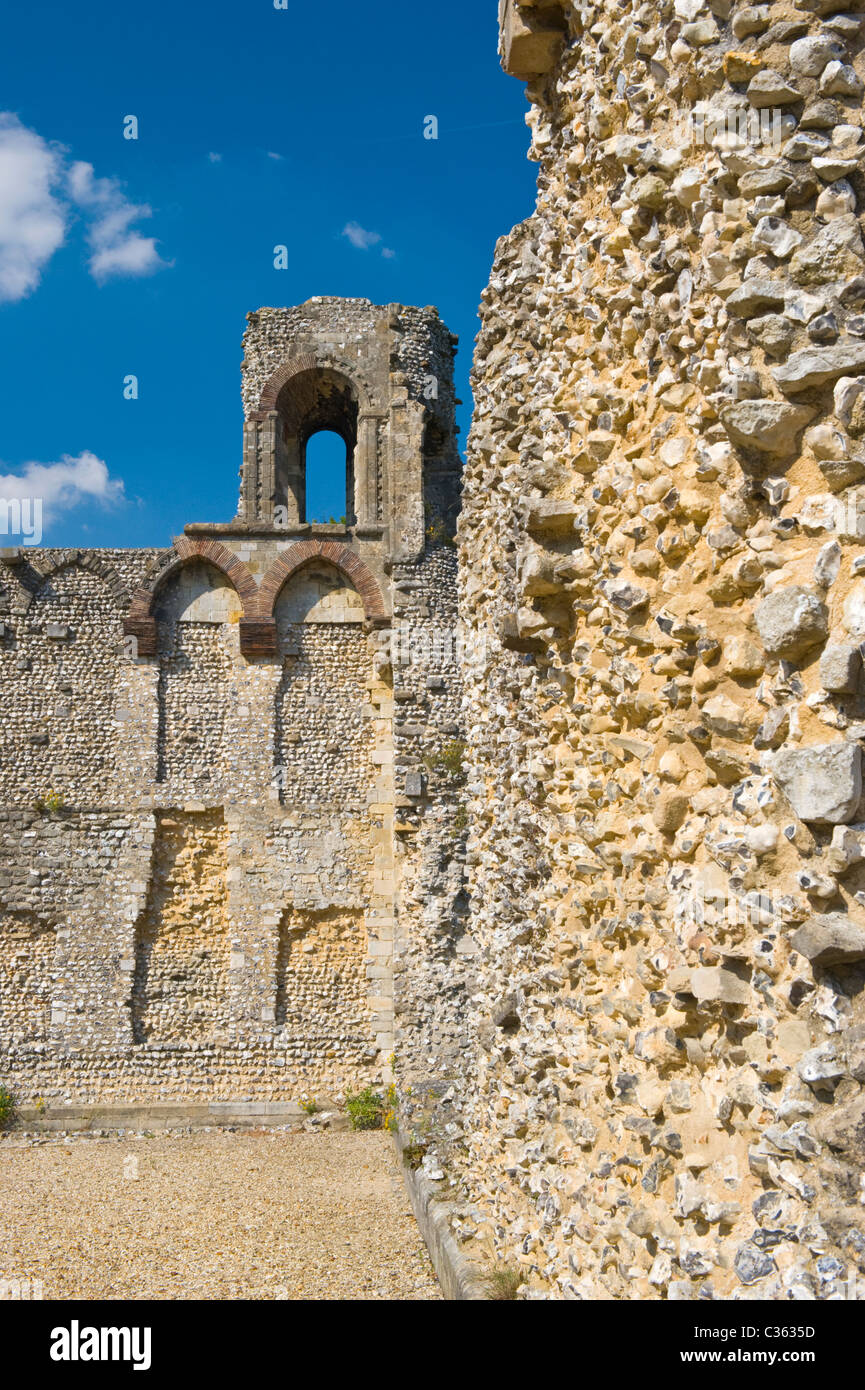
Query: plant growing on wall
[7, 1106]
[448, 759]
[365, 1109]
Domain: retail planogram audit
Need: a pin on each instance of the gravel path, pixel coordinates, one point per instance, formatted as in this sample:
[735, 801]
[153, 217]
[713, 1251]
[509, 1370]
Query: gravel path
[214, 1215]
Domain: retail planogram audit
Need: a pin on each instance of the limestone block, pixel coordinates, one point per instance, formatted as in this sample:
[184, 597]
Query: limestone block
[840, 667]
[771, 427]
[530, 38]
[791, 621]
[823, 784]
[715, 984]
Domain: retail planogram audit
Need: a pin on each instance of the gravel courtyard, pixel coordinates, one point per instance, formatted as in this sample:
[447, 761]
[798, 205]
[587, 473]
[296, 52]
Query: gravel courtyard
[212, 1215]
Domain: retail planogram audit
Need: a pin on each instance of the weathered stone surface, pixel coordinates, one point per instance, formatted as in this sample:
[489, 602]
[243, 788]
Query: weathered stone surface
[769, 426]
[790, 622]
[529, 42]
[830, 939]
[818, 366]
[835, 251]
[823, 784]
[628, 837]
[755, 295]
[714, 984]
[840, 667]
[770, 88]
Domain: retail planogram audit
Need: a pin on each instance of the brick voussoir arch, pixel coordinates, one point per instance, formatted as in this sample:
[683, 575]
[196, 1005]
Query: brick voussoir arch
[140, 622]
[310, 362]
[336, 554]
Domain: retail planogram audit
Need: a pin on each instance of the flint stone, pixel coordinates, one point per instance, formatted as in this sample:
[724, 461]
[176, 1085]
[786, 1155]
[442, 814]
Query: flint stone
[775, 236]
[714, 984]
[623, 595]
[790, 622]
[827, 566]
[840, 80]
[817, 366]
[835, 253]
[830, 939]
[752, 20]
[770, 88]
[751, 1264]
[761, 182]
[808, 57]
[754, 296]
[820, 1064]
[773, 332]
[769, 426]
[840, 665]
[853, 612]
[823, 784]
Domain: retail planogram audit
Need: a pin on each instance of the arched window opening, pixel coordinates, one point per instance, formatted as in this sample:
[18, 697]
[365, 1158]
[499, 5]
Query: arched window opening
[314, 475]
[327, 468]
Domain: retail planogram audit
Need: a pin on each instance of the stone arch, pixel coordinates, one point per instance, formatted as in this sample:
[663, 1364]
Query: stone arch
[335, 553]
[140, 622]
[79, 559]
[62, 700]
[312, 392]
[311, 362]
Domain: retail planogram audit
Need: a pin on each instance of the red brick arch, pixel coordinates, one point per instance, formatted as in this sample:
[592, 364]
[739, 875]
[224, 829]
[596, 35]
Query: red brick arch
[335, 553]
[140, 622]
[309, 362]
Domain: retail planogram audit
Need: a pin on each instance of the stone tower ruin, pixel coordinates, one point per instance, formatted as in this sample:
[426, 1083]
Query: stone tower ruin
[219, 760]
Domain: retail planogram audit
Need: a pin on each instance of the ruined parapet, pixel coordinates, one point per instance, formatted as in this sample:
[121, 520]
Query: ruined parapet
[661, 549]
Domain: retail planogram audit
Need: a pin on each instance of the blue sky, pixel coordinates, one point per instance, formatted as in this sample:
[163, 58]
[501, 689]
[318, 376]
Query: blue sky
[256, 127]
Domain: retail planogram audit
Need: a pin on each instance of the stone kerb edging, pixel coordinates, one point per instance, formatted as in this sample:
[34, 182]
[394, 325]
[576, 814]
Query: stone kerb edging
[460, 1278]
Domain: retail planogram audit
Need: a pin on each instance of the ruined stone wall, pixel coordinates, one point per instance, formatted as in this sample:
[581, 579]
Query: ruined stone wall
[661, 550]
[210, 788]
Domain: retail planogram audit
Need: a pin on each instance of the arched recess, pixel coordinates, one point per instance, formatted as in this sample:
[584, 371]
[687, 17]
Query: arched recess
[81, 559]
[258, 626]
[311, 393]
[59, 733]
[141, 622]
[197, 608]
[335, 553]
[323, 735]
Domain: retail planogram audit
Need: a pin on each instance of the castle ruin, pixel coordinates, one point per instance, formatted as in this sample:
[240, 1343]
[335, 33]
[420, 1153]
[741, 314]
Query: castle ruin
[219, 760]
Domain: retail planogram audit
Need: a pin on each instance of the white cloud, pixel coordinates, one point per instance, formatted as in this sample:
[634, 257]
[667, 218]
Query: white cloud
[117, 248]
[63, 485]
[387, 253]
[32, 220]
[359, 236]
[214, 157]
[37, 183]
[272, 154]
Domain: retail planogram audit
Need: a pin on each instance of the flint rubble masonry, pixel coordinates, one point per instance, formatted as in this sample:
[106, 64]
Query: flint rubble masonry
[664, 773]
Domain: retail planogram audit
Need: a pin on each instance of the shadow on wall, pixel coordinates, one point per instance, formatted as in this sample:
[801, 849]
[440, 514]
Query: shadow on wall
[180, 985]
